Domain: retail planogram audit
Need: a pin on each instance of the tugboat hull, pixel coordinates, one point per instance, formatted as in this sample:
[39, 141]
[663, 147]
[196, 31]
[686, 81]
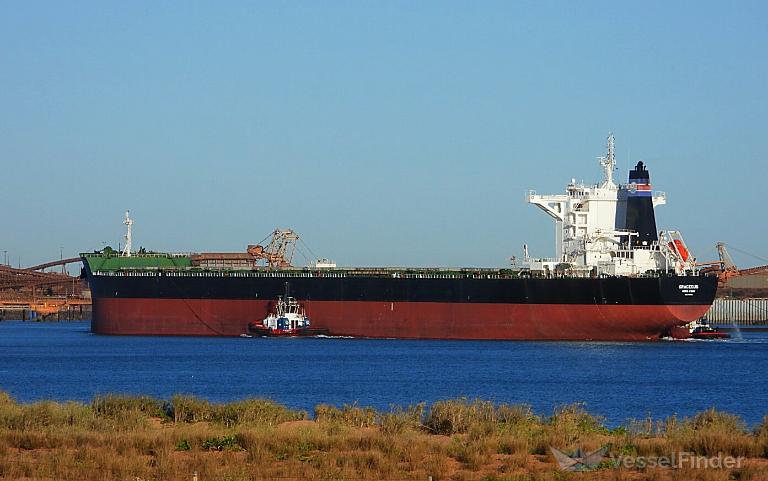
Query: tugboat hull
[257, 330]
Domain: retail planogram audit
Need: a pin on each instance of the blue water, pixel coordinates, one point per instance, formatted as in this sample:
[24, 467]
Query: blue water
[620, 381]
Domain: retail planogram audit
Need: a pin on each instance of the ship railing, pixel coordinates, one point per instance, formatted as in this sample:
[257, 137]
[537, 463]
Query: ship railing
[142, 254]
[162, 254]
[192, 272]
[476, 275]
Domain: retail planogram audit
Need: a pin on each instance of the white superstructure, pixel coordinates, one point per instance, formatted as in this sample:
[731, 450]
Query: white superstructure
[591, 234]
[289, 315]
[324, 263]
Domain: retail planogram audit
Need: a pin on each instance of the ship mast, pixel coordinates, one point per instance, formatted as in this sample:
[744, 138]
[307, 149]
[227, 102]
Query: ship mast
[609, 164]
[129, 223]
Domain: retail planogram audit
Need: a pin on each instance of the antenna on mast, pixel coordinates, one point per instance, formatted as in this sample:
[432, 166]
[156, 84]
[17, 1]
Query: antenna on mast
[609, 163]
[128, 222]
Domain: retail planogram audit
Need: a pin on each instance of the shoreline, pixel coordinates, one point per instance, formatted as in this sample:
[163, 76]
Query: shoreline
[120, 437]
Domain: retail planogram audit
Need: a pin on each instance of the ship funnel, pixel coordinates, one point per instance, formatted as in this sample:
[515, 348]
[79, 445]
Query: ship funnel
[640, 216]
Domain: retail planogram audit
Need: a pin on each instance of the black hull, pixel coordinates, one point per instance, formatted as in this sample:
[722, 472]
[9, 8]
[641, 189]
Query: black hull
[224, 304]
[669, 290]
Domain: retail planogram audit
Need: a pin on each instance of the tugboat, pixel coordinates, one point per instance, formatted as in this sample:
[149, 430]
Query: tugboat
[288, 320]
[698, 329]
[702, 330]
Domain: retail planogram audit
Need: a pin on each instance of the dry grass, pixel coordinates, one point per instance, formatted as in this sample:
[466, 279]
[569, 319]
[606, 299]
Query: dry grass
[123, 437]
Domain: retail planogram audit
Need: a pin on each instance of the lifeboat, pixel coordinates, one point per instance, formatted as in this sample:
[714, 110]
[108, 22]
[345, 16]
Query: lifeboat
[678, 245]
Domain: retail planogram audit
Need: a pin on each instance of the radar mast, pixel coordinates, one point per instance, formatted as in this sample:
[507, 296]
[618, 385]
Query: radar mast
[609, 164]
[128, 223]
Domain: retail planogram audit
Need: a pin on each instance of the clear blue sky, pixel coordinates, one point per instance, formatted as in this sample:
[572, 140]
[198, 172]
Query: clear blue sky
[386, 133]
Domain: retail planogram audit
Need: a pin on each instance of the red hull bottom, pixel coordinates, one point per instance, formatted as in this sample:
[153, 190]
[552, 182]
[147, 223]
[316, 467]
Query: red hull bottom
[408, 320]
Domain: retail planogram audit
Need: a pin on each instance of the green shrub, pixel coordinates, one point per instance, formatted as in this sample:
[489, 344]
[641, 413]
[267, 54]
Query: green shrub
[46, 415]
[398, 419]
[183, 445]
[228, 443]
[761, 435]
[511, 415]
[6, 400]
[114, 405]
[256, 412]
[717, 420]
[349, 415]
[470, 454]
[459, 415]
[124, 412]
[711, 432]
[574, 418]
[189, 409]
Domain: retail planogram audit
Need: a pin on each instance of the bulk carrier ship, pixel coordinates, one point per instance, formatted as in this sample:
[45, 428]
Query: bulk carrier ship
[614, 277]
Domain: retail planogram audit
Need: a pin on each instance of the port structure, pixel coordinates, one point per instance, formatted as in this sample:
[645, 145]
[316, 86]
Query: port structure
[725, 268]
[280, 250]
[33, 291]
[278, 253]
